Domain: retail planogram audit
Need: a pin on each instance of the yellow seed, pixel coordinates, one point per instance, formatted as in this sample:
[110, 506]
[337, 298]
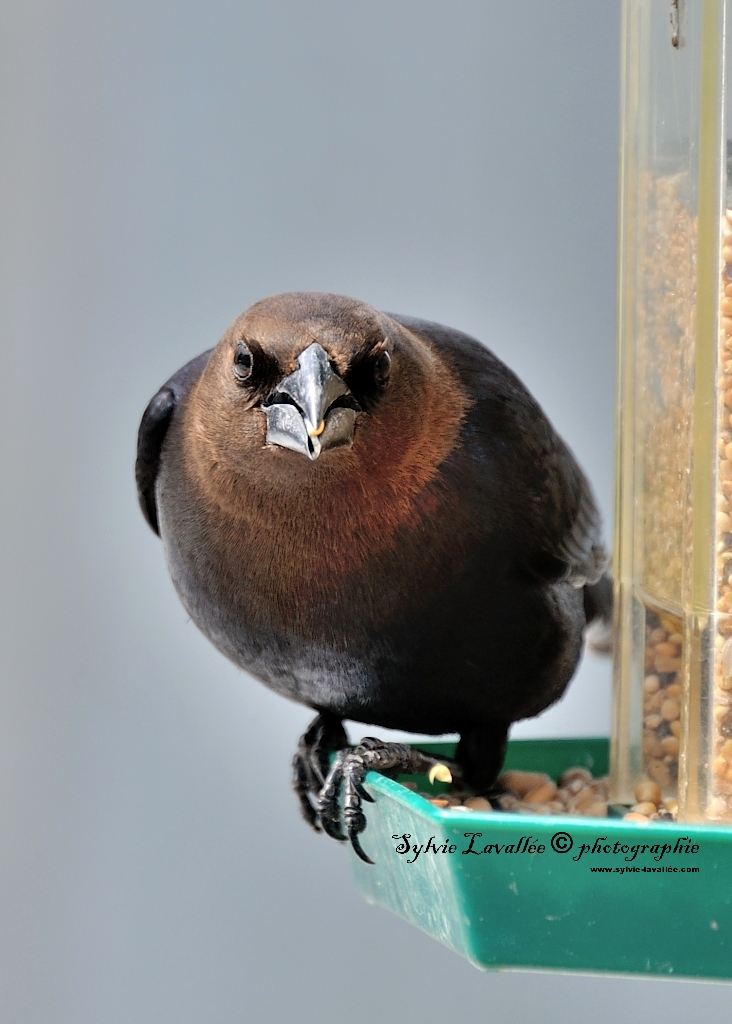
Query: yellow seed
[652, 721]
[598, 809]
[664, 664]
[670, 745]
[674, 690]
[670, 709]
[439, 772]
[654, 703]
[646, 808]
[648, 792]
[651, 684]
[634, 816]
[675, 728]
[726, 750]
[719, 765]
[667, 649]
[522, 782]
[585, 799]
[478, 803]
[542, 794]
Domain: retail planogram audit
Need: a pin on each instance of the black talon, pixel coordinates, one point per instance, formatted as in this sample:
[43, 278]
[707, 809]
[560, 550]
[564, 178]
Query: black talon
[331, 829]
[363, 793]
[359, 849]
[328, 808]
[324, 735]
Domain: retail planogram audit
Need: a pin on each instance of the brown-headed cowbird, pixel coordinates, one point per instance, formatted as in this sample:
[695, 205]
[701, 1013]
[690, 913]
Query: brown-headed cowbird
[372, 515]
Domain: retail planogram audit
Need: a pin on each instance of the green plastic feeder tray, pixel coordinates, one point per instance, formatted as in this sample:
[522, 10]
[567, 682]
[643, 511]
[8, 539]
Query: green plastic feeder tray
[552, 892]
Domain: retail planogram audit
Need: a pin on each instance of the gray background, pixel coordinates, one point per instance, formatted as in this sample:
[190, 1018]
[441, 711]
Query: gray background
[164, 165]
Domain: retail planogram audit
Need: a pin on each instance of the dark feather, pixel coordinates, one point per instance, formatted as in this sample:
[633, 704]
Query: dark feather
[153, 429]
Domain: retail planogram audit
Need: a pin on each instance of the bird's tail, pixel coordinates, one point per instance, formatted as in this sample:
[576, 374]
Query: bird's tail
[598, 599]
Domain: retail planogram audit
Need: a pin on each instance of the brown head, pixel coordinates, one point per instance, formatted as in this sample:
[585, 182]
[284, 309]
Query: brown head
[318, 423]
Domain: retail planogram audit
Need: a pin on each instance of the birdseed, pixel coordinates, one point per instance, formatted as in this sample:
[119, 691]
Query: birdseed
[577, 793]
[720, 777]
[665, 347]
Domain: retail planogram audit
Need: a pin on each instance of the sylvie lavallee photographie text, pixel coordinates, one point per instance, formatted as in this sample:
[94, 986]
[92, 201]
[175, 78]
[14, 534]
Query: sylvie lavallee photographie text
[561, 843]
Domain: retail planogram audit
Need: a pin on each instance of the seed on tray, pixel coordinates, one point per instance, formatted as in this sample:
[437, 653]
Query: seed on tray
[646, 808]
[478, 803]
[522, 782]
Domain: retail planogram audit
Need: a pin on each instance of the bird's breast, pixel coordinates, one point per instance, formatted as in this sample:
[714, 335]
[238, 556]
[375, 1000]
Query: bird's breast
[337, 574]
[326, 550]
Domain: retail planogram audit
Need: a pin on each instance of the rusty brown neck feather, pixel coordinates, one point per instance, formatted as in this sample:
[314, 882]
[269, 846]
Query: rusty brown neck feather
[297, 527]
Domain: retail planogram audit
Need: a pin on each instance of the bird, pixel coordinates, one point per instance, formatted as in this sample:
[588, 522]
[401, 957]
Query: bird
[371, 514]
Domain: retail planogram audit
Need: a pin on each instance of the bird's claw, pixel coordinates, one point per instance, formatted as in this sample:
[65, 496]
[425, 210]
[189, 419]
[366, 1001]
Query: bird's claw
[310, 767]
[349, 770]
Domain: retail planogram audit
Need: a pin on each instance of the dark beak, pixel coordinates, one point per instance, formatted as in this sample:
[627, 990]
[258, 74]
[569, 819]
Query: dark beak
[305, 418]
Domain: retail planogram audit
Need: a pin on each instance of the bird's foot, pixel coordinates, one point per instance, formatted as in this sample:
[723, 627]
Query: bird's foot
[310, 765]
[349, 770]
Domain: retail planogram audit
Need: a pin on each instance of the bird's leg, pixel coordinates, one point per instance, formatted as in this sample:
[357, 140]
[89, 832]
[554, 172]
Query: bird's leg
[310, 764]
[480, 754]
[349, 769]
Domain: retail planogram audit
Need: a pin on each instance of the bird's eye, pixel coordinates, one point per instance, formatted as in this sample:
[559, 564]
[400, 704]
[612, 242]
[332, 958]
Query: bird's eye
[382, 369]
[242, 362]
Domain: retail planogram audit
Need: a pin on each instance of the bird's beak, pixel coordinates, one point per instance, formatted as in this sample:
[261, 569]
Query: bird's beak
[300, 413]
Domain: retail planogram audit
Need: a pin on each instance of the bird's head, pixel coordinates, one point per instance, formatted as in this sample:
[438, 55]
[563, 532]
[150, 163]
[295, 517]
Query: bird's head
[310, 375]
[326, 400]
[307, 366]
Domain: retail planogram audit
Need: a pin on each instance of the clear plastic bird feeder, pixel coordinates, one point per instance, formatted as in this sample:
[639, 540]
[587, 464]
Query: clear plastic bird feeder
[673, 547]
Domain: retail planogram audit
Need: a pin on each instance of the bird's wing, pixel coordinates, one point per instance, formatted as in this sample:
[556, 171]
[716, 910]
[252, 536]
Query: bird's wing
[573, 534]
[548, 497]
[154, 426]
